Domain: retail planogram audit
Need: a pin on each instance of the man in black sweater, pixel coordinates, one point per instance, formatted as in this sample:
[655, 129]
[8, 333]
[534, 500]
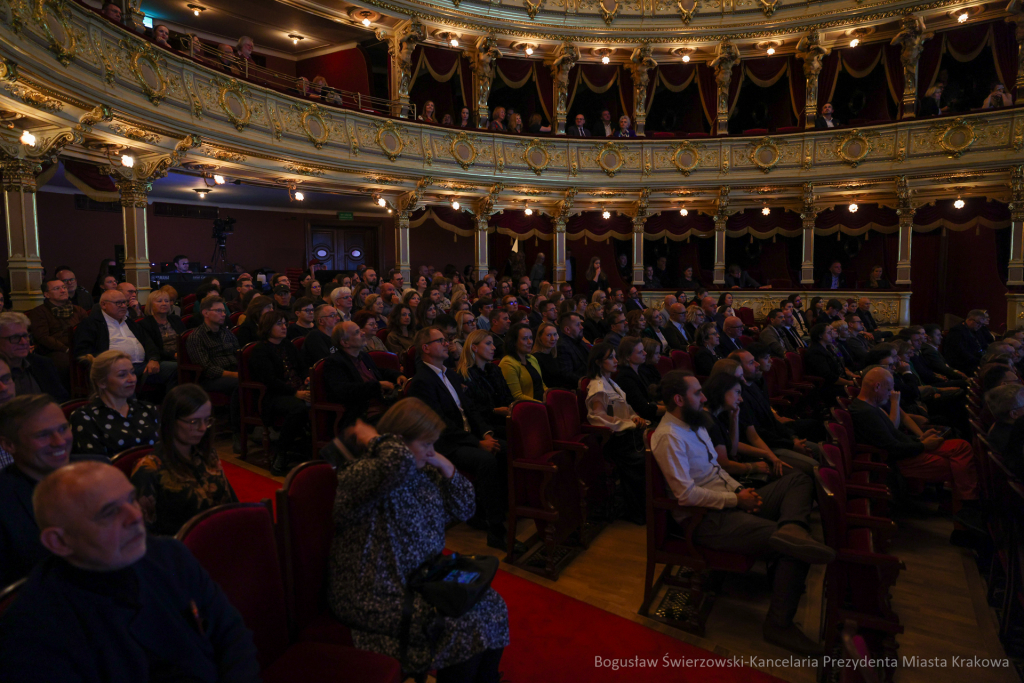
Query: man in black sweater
[962, 346]
[572, 354]
[925, 455]
[318, 344]
[355, 381]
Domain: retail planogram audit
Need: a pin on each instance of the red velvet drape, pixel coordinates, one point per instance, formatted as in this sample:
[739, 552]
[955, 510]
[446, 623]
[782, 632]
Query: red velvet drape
[1004, 48]
[894, 73]
[344, 70]
[709, 94]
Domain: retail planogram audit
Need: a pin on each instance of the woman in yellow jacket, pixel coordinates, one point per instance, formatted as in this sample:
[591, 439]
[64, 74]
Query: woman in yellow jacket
[520, 368]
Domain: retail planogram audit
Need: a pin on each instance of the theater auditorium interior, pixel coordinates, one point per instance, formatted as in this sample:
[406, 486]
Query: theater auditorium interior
[512, 341]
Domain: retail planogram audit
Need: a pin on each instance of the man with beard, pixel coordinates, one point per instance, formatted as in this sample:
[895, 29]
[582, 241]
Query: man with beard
[777, 526]
[800, 320]
[572, 354]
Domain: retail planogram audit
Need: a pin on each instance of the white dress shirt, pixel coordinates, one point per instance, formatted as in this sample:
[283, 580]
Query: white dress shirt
[682, 330]
[451, 390]
[688, 461]
[122, 339]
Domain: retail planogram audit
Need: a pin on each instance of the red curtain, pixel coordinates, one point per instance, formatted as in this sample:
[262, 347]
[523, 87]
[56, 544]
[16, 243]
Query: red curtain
[708, 94]
[757, 222]
[545, 86]
[520, 224]
[440, 66]
[967, 39]
[344, 70]
[515, 69]
[90, 175]
[1004, 49]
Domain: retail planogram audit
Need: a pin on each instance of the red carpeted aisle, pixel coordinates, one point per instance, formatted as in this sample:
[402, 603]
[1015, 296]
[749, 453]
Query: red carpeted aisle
[555, 638]
[249, 486]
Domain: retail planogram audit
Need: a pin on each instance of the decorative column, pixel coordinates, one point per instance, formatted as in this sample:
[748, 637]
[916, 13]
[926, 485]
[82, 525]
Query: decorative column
[1018, 20]
[566, 56]
[561, 219]
[807, 218]
[1016, 227]
[402, 246]
[911, 39]
[721, 217]
[905, 210]
[134, 183]
[811, 51]
[484, 65]
[640, 62]
[19, 165]
[726, 57]
[639, 219]
[400, 47]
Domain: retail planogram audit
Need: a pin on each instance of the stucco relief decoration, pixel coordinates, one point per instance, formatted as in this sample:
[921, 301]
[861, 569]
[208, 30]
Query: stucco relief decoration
[414, 35]
[231, 96]
[33, 97]
[485, 63]
[853, 147]
[765, 154]
[144, 65]
[462, 149]
[15, 15]
[536, 155]
[389, 139]
[687, 14]
[54, 19]
[686, 157]
[316, 124]
[956, 138]
[610, 157]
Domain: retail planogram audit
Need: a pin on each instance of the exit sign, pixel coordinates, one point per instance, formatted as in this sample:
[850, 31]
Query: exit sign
[345, 216]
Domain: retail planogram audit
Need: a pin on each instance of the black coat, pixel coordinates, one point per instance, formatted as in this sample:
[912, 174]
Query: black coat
[572, 359]
[756, 410]
[826, 281]
[485, 390]
[573, 131]
[265, 367]
[727, 346]
[821, 362]
[592, 331]
[429, 388]
[92, 337]
[59, 630]
[45, 374]
[676, 340]
[704, 360]
[873, 427]
[346, 386]
[318, 345]
[636, 393]
[152, 330]
[248, 332]
[962, 349]
[552, 373]
[820, 124]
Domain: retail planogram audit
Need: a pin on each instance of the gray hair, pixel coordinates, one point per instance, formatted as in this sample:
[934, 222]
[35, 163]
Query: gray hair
[1003, 400]
[14, 318]
[978, 313]
[339, 292]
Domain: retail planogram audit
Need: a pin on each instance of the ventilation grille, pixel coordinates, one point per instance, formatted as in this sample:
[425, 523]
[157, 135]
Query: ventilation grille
[186, 211]
[83, 203]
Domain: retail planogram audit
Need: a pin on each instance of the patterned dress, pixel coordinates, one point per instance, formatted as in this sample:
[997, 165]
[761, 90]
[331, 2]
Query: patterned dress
[390, 518]
[170, 498]
[100, 430]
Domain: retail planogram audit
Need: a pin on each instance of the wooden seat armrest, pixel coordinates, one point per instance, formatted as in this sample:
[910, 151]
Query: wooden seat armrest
[870, 559]
[873, 492]
[868, 466]
[887, 526]
[574, 446]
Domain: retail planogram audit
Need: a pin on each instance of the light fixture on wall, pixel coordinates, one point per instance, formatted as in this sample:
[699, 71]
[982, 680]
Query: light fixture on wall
[605, 60]
[127, 160]
[765, 210]
[528, 211]
[298, 196]
[455, 204]
[770, 51]
[769, 46]
[529, 50]
[296, 38]
[853, 207]
[196, 9]
[683, 53]
[963, 17]
[959, 203]
[218, 179]
[294, 194]
[683, 211]
[366, 22]
[202, 192]
[381, 202]
[606, 214]
[855, 42]
[27, 138]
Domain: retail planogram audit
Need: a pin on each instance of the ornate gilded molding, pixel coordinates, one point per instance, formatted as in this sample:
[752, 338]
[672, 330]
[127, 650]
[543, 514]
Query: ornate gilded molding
[610, 149]
[536, 154]
[687, 14]
[765, 154]
[33, 97]
[768, 7]
[137, 134]
[8, 70]
[853, 147]
[304, 170]
[316, 124]
[686, 156]
[606, 15]
[957, 137]
[389, 139]
[144, 64]
[19, 174]
[232, 98]
[54, 19]
[462, 149]
[99, 113]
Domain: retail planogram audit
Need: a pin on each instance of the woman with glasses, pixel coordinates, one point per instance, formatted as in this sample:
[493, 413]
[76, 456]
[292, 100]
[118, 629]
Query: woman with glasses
[183, 476]
[465, 324]
[303, 309]
[707, 355]
[374, 305]
[114, 420]
[694, 319]
[278, 365]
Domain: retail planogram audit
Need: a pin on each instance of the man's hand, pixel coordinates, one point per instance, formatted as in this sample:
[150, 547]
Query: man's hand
[503, 411]
[748, 500]
[894, 397]
[152, 367]
[931, 441]
[800, 446]
[639, 422]
[489, 443]
[304, 395]
[387, 386]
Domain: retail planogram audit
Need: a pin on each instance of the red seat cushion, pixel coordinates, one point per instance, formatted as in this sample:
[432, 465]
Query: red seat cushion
[324, 628]
[315, 662]
[859, 506]
[860, 478]
[860, 540]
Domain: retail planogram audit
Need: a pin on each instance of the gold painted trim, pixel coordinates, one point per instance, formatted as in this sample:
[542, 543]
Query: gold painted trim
[843, 147]
[389, 127]
[139, 52]
[538, 145]
[322, 117]
[693, 149]
[64, 51]
[233, 87]
[618, 150]
[765, 143]
[961, 125]
[455, 141]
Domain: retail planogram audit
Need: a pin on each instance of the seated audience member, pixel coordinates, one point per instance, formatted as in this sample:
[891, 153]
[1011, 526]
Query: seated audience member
[615, 323]
[841, 331]
[244, 48]
[724, 396]
[497, 123]
[572, 353]
[318, 343]
[710, 309]
[465, 323]
[367, 322]
[624, 130]
[962, 348]
[104, 283]
[774, 336]
[400, 330]
[732, 330]
[278, 365]
[931, 356]
[604, 128]
[343, 301]
[6, 394]
[821, 361]
[778, 526]
[863, 311]
[52, 322]
[856, 343]
[77, 295]
[162, 326]
[282, 295]
[354, 380]
[655, 324]
[183, 476]
[235, 295]
[579, 128]
[111, 328]
[429, 114]
[607, 406]
[834, 278]
[707, 352]
[633, 302]
[545, 352]
[789, 329]
[214, 348]
[204, 290]
[487, 393]
[998, 97]
[103, 575]
[1006, 403]
[688, 281]
[114, 420]
[737, 278]
[393, 505]
[761, 429]
[112, 11]
[678, 332]
[931, 103]
[466, 440]
[303, 309]
[499, 324]
[161, 36]
[518, 366]
[31, 372]
[426, 313]
[801, 319]
[876, 281]
[826, 120]
[374, 304]
[649, 372]
[22, 420]
[593, 321]
[929, 456]
[995, 375]
[632, 356]
[833, 312]
[651, 281]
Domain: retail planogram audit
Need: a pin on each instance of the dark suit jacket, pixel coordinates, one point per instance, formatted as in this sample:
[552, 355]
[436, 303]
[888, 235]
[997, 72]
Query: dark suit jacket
[266, 368]
[429, 388]
[597, 130]
[92, 337]
[152, 330]
[777, 341]
[634, 305]
[636, 393]
[572, 358]
[927, 107]
[936, 363]
[870, 325]
[317, 346]
[704, 360]
[727, 346]
[826, 281]
[819, 123]
[744, 280]
[574, 132]
[675, 338]
[872, 426]
[45, 374]
[55, 607]
[821, 362]
[346, 386]
[857, 347]
[962, 348]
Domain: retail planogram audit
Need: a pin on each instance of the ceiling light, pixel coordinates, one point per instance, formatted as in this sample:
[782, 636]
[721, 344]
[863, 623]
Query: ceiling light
[606, 214]
[296, 38]
[390, 211]
[853, 208]
[686, 58]
[27, 138]
[197, 9]
[366, 22]
[855, 42]
[381, 202]
[963, 18]
[299, 196]
[605, 60]
[765, 211]
[127, 160]
[528, 211]
[202, 192]
[219, 179]
[529, 50]
[959, 203]
[454, 42]
[455, 204]
[771, 51]
[683, 212]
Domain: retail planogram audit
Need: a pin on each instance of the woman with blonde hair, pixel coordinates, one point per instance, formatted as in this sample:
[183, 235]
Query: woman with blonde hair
[465, 324]
[593, 318]
[393, 505]
[545, 351]
[114, 420]
[173, 293]
[497, 120]
[162, 326]
[486, 389]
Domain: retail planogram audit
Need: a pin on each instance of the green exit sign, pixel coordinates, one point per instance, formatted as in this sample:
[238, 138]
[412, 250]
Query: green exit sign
[345, 216]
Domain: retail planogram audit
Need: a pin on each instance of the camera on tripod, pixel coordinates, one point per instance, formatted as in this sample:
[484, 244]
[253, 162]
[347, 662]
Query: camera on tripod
[222, 227]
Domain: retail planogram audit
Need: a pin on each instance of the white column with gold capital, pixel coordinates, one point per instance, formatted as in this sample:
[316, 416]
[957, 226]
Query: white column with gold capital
[721, 218]
[807, 218]
[402, 256]
[1016, 274]
[563, 210]
[905, 210]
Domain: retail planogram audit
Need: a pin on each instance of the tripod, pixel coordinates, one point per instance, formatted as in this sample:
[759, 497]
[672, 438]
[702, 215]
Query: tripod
[220, 254]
